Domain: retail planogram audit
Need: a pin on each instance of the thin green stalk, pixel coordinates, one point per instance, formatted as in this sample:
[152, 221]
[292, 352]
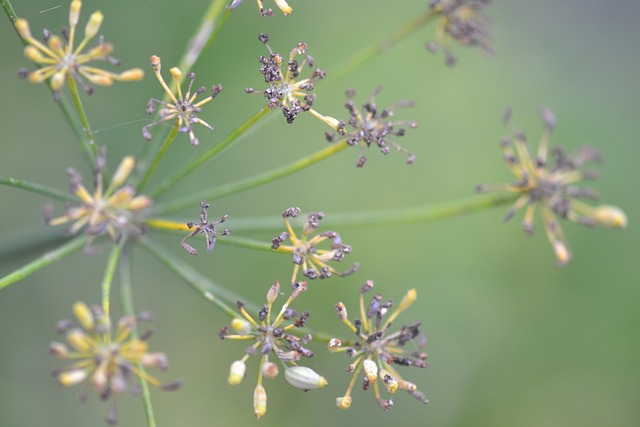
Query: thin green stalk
[395, 216]
[212, 152]
[126, 295]
[26, 239]
[39, 189]
[45, 260]
[11, 13]
[112, 264]
[154, 164]
[251, 182]
[205, 34]
[200, 283]
[375, 49]
[77, 102]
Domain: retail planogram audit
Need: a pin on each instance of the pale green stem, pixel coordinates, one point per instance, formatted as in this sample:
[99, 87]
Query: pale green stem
[375, 49]
[25, 239]
[112, 264]
[205, 34]
[90, 149]
[126, 295]
[200, 283]
[251, 182]
[39, 189]
[45, 260]
[154, 164]
[203, 158]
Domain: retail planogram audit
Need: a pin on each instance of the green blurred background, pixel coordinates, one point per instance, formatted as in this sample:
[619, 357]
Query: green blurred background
[513, 341]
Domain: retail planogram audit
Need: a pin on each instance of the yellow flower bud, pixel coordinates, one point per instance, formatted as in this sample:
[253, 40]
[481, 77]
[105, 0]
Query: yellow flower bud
[132, 75]
[93, 25]
[259, 401]
[237, 372]
[304, 378]
[370, 370]
[74, 12]
[23, 28]
[84, 315]
[611, 216]
[284, 6]
[241, 326]
[343, 402]
[70, 378]
[123, 171]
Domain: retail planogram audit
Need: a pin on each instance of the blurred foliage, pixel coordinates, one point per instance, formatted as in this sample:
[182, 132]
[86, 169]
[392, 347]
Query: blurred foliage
[512, 339]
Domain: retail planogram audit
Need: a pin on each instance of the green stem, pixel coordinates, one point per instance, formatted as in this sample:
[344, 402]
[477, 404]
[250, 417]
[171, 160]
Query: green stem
[154, 164]
[89, 146]
[385, 217]
[375, 49]
[11, 13]
[25, 239]
[204, 35]
[203, 158]
[45, 260]
[39, 189]
[126, 295]
[112, 264]
[253, 181]
[200, 283]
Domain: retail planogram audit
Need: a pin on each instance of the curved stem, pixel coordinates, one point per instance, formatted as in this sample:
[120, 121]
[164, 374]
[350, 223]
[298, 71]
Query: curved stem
[45, 260]
[126, 295]
[375, 49]
[200, 283]
[212, 152]
[156, 160]
[253, 181]
[112, 263]
[38, 189]
[90, 149]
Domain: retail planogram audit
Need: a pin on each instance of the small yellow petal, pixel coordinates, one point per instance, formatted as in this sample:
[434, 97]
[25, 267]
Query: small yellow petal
[93, 26]
[611, 216]
[22, 25]
[84, 315]
[70, 378]
[132, 75]
[124, 170]
[74, 12]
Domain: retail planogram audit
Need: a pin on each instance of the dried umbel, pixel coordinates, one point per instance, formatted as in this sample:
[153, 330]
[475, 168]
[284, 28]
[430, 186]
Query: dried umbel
[548, 184]
[60, 59]
[116, 210]
[183, 109]
[307, 255]
[370, 125]
[376, 351]
[461, 20]
[273, 337]
[287, 90]
[282, 5]
[205, 227]
[104, 358]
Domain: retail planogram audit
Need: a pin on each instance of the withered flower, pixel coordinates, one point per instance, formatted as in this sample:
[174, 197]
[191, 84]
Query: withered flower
[182, 109]
[115, 210]
[103, 358]
[204, 226]
[293, 96]
[306, 251]
[273, 336]
[60, 59]
[463, 21]
[370, 125]
[376, 351]
[549, 184]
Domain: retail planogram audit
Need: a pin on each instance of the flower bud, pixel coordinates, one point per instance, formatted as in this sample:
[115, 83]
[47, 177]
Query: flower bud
[270, 370]
[241, 326]
[304, 378]
[93, 26]
[259, 401]
[122, 173]
[611, 216]
[343, 402]
[334, 344]
[237, 372]
[70, 378]
[370, 370]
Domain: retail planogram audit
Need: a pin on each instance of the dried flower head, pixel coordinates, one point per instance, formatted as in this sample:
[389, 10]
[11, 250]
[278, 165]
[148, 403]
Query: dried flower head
[116, 210]
[306, 253]
[371, 126]
[60, 59]
[463, 21]
[376, 351]
[282, 4]
[103, 358]
[293, 96]
[204, 226]
[273, 337]
[183, 109]
[549, 184]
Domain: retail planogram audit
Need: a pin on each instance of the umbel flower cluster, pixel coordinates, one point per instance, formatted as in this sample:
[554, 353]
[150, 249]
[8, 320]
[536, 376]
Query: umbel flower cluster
[129, 206]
